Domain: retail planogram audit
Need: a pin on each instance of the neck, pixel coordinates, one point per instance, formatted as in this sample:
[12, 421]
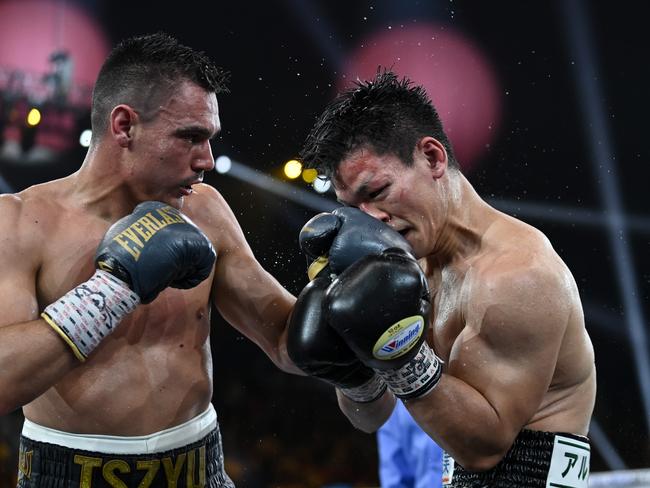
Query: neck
[467, 218]
[101, 185]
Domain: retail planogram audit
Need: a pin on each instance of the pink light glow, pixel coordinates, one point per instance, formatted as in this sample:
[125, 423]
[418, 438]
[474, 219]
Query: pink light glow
[456, 75]
[31, 30]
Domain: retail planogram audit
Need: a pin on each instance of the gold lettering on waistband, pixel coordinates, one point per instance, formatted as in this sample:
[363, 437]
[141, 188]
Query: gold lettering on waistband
[191, 470]
[173, 470]
[25, 463]
[87, 465]
[152, 466]
[108, 471]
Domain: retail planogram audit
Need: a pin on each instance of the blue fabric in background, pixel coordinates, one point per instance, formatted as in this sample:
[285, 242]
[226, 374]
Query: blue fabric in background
[408, 457]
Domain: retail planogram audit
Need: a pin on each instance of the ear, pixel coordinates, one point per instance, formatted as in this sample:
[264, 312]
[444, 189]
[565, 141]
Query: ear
[122, 120]
[435, 154]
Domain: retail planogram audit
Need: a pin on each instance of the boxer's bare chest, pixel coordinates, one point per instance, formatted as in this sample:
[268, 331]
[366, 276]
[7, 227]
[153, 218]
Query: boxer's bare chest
[161, 349]
[447, 320]
[67, 257]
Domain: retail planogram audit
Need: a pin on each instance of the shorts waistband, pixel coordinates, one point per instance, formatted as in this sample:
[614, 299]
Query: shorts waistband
[177, 436]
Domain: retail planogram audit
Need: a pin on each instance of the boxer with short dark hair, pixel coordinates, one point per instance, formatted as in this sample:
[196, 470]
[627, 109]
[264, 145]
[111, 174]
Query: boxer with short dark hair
[108, 277]
[476, 323]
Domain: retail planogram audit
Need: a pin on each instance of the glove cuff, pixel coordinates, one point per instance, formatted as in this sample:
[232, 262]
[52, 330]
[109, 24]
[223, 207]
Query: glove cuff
[366, 393]
[85, 315]
[417, 377]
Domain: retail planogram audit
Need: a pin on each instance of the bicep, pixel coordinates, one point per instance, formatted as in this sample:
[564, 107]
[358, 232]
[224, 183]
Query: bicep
[509, 349]
[250, 299]
[245, 294]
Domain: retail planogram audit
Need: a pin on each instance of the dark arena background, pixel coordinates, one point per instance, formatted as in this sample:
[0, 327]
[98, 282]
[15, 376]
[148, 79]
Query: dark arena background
[546, 104]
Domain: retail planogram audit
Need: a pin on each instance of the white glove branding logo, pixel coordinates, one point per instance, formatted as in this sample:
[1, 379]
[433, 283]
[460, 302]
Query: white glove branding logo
[399, 338]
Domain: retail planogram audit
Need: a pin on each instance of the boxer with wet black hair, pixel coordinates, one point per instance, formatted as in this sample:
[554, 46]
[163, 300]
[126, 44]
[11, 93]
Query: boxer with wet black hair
[479, 329]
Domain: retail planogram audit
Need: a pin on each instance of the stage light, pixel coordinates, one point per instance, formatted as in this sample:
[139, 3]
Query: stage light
[321, 184]
[84, 138]
[292, 169]
[309, 175]
[223, 164]
[33, 117]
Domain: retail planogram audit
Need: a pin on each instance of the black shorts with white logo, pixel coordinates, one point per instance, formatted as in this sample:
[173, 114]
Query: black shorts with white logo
[535, 459]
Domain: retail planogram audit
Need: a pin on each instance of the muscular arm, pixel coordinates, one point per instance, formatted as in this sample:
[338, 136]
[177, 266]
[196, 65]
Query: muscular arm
[32, 355]
[244, 293]
[500, 366]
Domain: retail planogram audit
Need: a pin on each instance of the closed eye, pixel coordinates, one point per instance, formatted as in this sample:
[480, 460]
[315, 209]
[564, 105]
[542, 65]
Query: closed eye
[376, 193]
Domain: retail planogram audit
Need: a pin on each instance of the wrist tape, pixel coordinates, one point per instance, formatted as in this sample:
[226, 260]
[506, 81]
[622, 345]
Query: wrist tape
[417, 377]
[90, 312]
[366, 393]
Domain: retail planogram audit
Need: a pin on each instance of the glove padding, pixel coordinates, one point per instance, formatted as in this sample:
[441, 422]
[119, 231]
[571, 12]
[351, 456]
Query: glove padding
[333, 241]
[154, 247]
[380, 306]
[318, 350]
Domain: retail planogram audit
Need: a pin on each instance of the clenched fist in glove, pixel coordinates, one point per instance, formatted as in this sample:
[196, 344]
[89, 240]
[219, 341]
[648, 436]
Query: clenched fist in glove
[333, 241]
[380, 306]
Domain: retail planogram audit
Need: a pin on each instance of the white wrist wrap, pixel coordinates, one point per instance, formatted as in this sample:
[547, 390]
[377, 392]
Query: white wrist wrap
[417, 377]
[366, 393]
[90, 312]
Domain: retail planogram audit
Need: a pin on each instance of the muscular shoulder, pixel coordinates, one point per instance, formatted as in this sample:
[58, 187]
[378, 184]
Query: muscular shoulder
[207, 207]
[12, 209]
[517, 254]
[210, 211]
[521, 285]
[22, 214]
[28, 217]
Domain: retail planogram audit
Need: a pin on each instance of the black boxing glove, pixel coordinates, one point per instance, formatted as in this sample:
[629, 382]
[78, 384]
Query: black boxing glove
[318, 350]
[333, 241]
[141, 254]
[380, 306]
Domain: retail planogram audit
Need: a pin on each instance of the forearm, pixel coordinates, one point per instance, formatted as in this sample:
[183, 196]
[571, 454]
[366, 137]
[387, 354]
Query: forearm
[281, 356]
[273, 340]
[462, 421]
[367, 417]
[33, 357]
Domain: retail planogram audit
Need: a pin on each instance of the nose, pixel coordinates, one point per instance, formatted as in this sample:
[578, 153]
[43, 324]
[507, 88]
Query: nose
[375, 212]
[203, 161]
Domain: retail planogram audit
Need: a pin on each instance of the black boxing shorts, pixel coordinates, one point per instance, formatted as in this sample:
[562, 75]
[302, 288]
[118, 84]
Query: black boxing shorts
[186, 456]
[535, 460]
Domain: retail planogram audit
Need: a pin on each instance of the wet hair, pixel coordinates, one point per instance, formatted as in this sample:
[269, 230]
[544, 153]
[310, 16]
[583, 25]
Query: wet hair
[386, 114]
[141, 71]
